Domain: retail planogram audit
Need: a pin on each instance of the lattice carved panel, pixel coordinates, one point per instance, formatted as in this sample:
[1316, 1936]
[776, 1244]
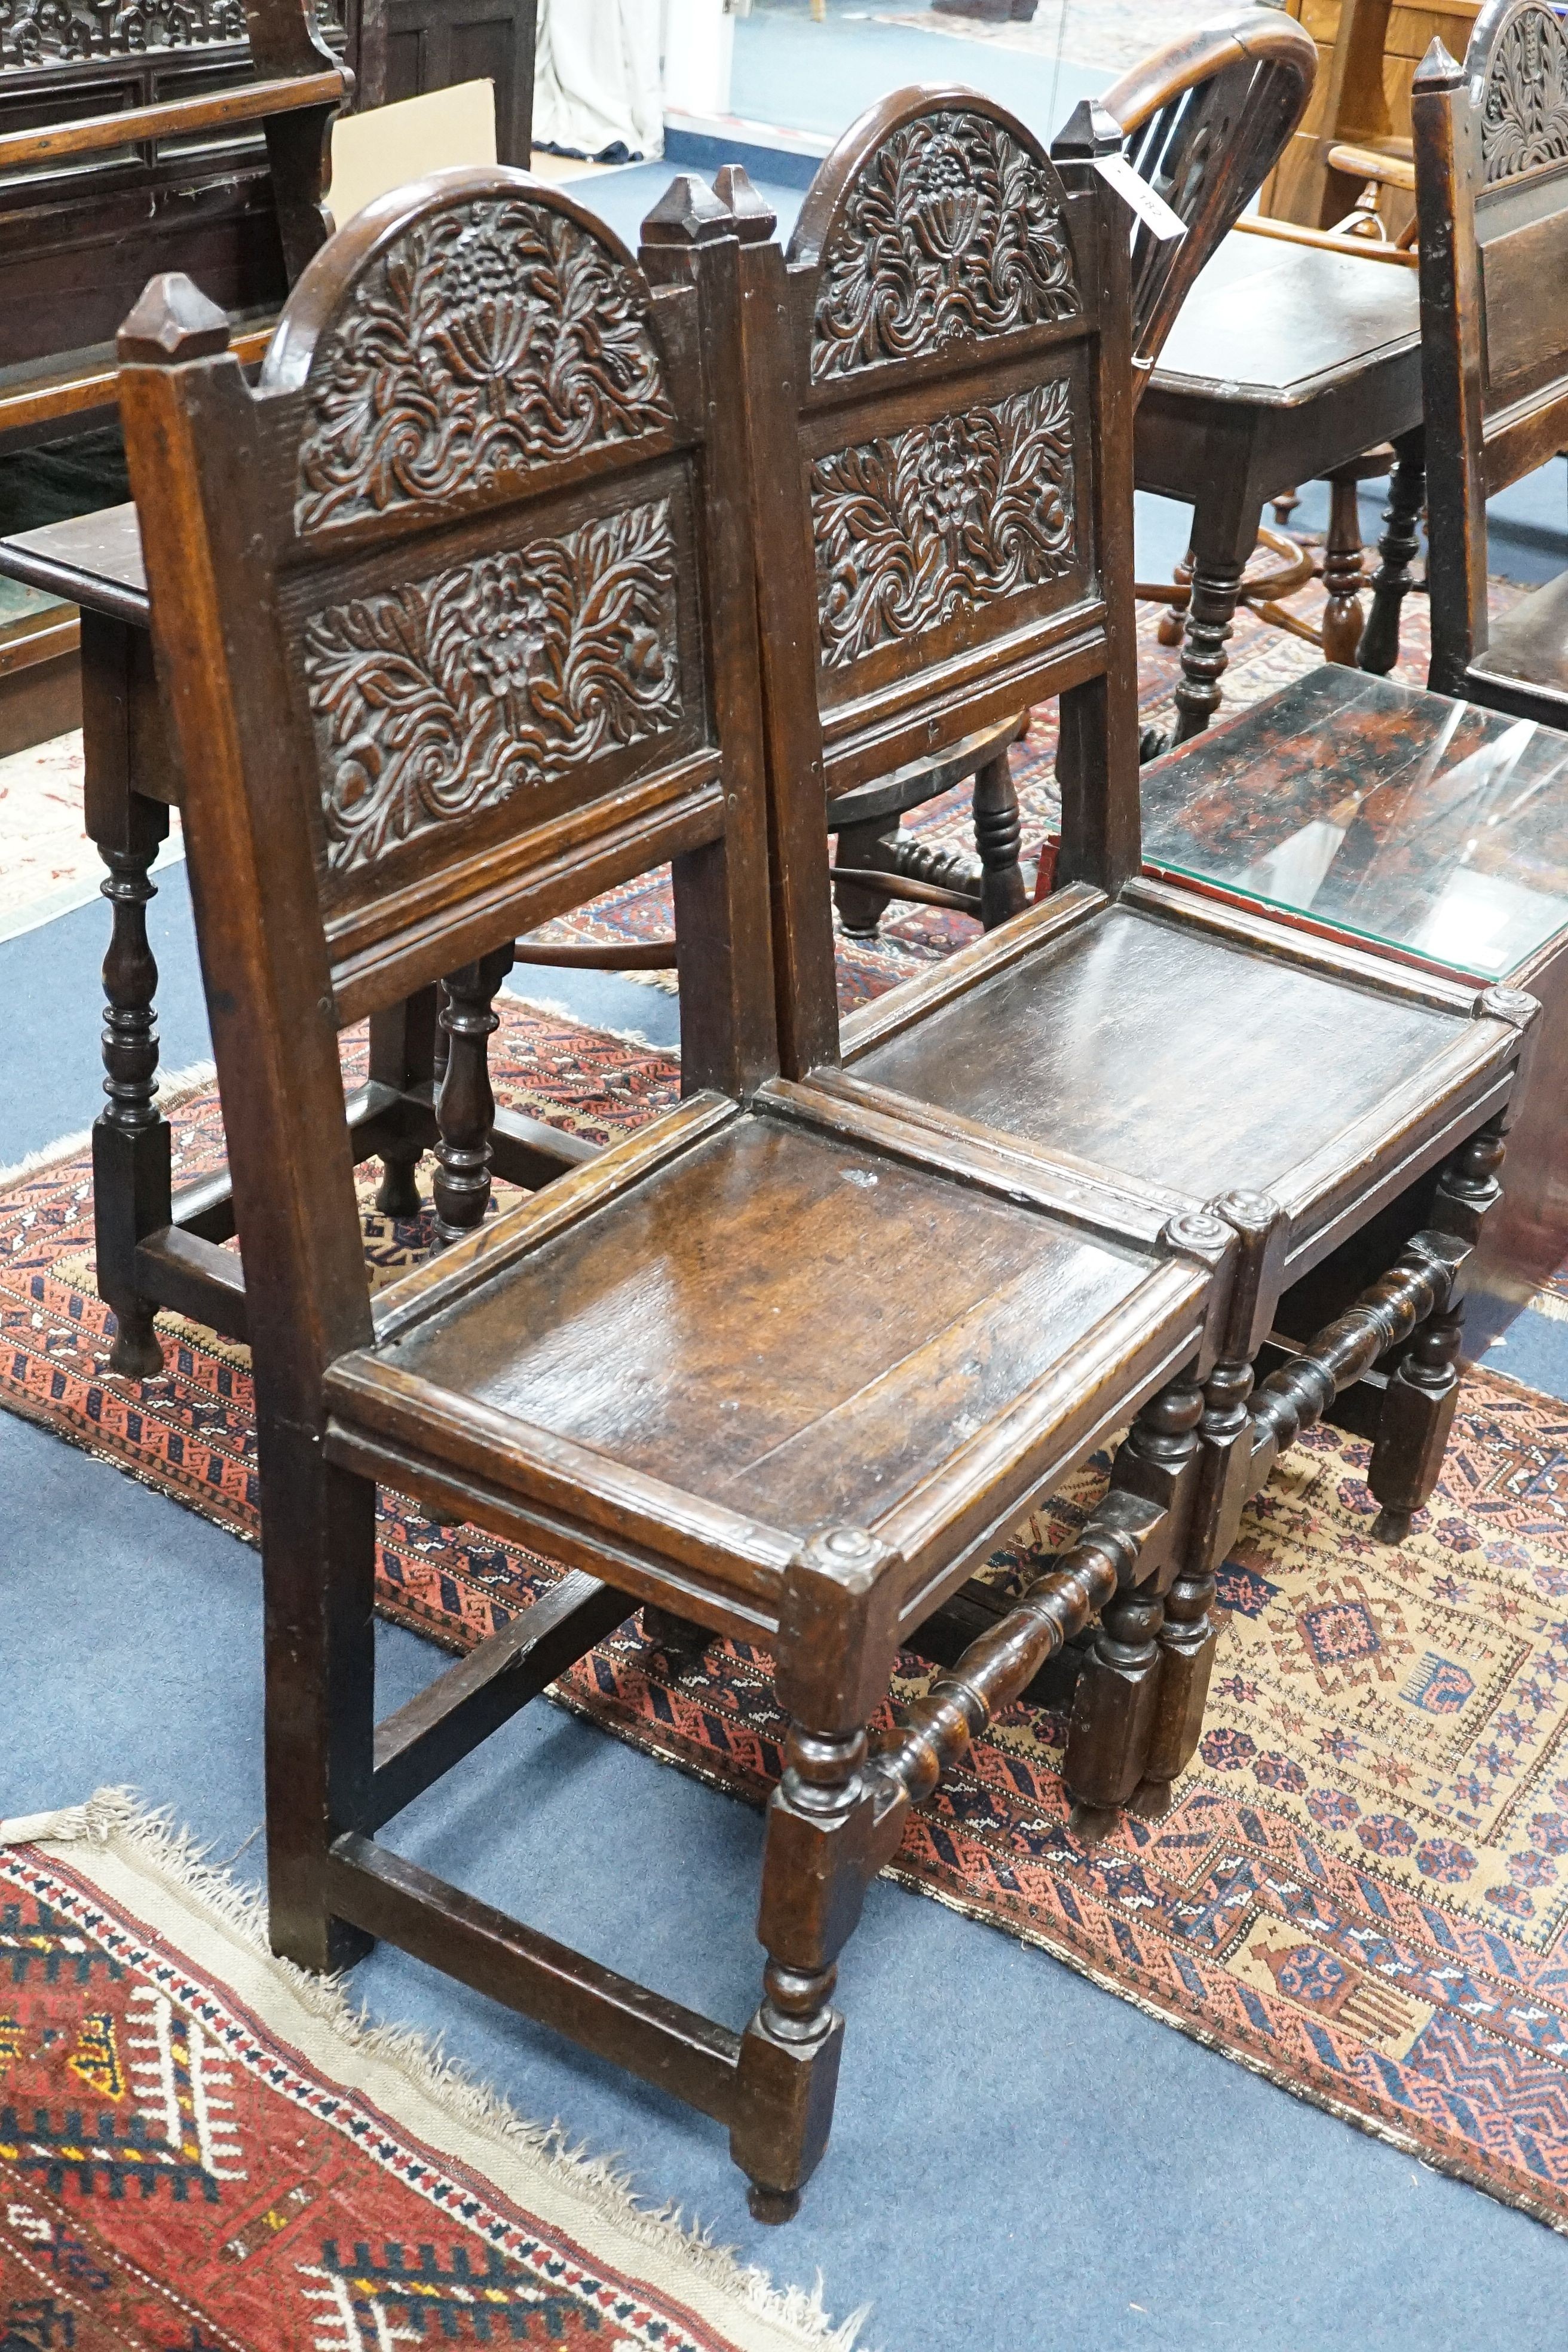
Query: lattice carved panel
[494, 336]
[35, 32]
[1524, 110]
[436, 701]
[952, 231]
[942, 518]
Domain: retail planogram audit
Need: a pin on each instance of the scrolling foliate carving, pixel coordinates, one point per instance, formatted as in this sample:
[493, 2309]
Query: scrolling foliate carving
[951, 230]
[441, 698]
[945, 517]
[1524, 111]
[32, 32]
[495, 335]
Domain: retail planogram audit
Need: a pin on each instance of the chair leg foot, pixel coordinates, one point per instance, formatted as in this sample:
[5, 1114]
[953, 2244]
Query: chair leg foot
[397, 1194]
[772, 2206]
[137, 1353]
[1391, 1527]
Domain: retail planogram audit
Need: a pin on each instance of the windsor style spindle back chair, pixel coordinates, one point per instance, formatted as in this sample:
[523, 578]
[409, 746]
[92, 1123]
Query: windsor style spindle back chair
[1184, 1050]
[457, 627]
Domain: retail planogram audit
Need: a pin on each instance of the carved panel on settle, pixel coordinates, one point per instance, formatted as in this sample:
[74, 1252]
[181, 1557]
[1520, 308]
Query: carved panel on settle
[497, 335]
[912, 529]
[953, 230]
[1524, 116]
[35, 32]
[442, 698]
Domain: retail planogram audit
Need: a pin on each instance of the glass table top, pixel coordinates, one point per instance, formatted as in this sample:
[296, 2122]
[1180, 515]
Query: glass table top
[1430, 827]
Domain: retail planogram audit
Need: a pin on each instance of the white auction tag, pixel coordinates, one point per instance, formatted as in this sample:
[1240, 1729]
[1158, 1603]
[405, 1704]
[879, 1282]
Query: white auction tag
[1136, 194]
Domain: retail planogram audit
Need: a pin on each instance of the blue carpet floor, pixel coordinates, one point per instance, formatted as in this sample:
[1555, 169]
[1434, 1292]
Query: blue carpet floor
[1020, 2161]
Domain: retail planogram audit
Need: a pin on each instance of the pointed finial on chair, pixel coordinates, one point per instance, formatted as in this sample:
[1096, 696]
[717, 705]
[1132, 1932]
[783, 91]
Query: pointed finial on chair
[173, 322]
[1437, 69]
[1089, 130]
[754, 220]
[689, 213]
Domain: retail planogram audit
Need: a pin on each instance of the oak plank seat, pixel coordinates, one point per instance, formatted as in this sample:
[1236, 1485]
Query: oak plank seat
[1138, 1034]
[630, 1369]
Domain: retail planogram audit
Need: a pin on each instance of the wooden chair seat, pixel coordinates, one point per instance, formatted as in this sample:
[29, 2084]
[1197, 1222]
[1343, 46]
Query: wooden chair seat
[1529, 647]
[640, 1338]
[1306, 1081]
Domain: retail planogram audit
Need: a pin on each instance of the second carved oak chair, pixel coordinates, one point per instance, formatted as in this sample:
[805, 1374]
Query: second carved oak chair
[1132, 1030]
[457, 630]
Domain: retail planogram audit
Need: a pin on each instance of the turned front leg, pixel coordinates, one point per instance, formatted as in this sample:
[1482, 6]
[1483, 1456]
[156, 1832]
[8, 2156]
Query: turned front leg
[1398, 548]
[1417, 1413]
[997, 834]
[1211, 614]
[1116, 1697]
[1344, 574]
[465, 1105]
[131, 1154]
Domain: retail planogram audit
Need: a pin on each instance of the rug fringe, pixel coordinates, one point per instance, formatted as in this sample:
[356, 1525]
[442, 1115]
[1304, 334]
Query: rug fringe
[554, 1009]
[112, 1818]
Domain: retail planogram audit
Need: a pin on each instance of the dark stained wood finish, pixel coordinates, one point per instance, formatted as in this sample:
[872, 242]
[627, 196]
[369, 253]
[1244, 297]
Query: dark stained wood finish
[628, 1370]
[1494, 275]
[1123, 1031]
[409, 46]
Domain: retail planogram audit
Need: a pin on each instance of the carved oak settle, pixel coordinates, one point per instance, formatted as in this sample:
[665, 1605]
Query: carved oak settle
[1185, 1052]
[457, 625]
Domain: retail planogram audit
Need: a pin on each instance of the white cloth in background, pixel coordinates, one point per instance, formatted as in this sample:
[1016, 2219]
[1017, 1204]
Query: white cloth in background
[596, 77]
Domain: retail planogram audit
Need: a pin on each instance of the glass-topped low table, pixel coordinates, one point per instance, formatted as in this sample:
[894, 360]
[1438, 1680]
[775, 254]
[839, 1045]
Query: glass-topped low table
[1432, 831]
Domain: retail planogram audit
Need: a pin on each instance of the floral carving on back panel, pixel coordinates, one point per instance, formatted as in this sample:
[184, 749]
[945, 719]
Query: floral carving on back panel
[1524, 114]
[952, 231]
[946, 517]
[496, 335]
[439, 699]
[32, 32]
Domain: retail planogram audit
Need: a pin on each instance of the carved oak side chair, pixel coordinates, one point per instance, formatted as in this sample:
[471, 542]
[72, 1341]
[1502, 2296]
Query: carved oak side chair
[1142, 1032]
[458, 630]
[1491, 140]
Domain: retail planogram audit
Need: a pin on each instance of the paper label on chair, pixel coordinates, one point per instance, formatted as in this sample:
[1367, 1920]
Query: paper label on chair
[1151, 209]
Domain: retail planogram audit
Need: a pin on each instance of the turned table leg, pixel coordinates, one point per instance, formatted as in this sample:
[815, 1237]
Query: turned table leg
[1398, 548]
[997, 838]
[1218, 562]
[1344, 574]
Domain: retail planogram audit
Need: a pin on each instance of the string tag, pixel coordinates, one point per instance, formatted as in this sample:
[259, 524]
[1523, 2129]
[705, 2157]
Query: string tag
[1139, 197]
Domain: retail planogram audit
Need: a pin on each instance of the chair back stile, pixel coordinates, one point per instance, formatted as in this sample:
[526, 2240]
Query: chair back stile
[1491, 163]
[945, 348]
[442, 666]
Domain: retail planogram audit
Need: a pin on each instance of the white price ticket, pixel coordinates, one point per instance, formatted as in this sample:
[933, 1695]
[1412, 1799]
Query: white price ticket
[1139, 197]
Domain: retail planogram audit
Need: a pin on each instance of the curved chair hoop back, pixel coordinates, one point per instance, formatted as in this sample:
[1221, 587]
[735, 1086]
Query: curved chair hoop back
[1206, 118]
[939, 222]
[1517, 66]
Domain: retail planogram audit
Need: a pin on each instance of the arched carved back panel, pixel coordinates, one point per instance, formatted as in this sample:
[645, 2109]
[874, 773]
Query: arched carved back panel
[496, 621]
[951, 229]
[1519, 63]
[497, 334]
[940, 292]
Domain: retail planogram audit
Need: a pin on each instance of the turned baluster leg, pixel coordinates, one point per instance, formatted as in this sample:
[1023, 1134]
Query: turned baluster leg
[997, 834]
[835, 1656]
[863, 847]
[1173, 626]
[1115, 1700]
[1344, 574]
[465, 1106]
[1418, 1405]
[1285, 506]
[1216, 587]
[403, 1055]
[1398, 548]
[130, 1159]
[1222, 1484]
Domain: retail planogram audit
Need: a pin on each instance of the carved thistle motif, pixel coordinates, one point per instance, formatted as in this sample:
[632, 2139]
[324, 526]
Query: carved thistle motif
[1524, 115]
[949, 515]
[32, 32]
[446, 696]
[495, 335]
[952, 230]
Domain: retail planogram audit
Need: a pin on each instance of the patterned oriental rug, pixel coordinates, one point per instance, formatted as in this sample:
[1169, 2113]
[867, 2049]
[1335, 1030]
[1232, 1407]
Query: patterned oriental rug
[1361, 1889]
[202, 2147]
